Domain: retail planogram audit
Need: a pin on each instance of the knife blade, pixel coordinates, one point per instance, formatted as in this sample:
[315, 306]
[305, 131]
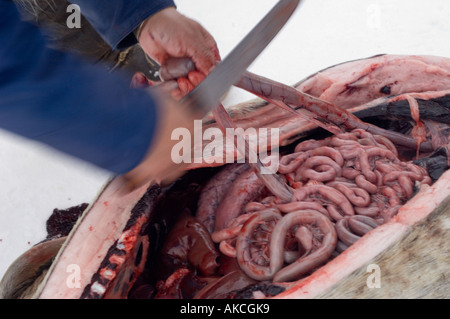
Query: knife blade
[205, 96]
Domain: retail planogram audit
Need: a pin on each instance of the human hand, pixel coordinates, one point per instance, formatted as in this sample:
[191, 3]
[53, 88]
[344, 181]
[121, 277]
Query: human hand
[170, 34]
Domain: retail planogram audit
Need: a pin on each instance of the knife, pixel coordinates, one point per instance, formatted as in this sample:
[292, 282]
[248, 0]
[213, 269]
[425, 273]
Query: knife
[205, 96]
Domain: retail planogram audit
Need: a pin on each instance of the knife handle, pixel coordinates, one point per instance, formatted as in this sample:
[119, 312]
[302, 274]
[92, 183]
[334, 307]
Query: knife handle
[174, 68]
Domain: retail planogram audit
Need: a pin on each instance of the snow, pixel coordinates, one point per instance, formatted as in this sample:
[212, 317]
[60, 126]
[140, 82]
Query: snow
[35, 179]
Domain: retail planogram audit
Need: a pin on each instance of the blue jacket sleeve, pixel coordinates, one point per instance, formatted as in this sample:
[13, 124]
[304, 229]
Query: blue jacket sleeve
[75, 107]
[115, 20]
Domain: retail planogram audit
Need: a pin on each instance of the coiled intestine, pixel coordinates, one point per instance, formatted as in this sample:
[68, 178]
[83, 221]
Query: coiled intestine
[344, 186]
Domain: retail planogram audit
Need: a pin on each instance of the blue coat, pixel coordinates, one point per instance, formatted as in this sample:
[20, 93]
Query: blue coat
[74, 106]
[115, 20]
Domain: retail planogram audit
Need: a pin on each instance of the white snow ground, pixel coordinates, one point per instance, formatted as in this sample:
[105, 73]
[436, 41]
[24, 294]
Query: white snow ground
[34, 179]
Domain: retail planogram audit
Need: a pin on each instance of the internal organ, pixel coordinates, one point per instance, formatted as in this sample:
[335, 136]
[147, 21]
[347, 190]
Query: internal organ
[344, 186]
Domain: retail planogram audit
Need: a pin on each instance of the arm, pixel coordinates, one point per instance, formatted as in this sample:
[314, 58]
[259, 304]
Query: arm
[72, 106]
